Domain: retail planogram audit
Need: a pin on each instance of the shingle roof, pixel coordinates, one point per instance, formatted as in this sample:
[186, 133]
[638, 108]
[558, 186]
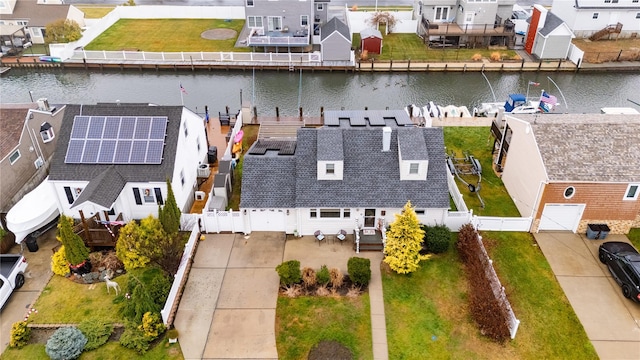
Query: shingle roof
[12, 119]
[330, 144]
[38, 14]
[104, 189]
[332, 26]
[131, 173]
[551, 23]
[412, 145]
[588, 147]
[371, 177]
[369, 32]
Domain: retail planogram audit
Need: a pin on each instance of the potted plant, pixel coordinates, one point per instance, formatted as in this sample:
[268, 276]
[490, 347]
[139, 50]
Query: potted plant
[172, 335]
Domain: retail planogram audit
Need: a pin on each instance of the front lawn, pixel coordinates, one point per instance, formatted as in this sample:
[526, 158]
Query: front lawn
[303, 322]
[427, 312]
[170, 35]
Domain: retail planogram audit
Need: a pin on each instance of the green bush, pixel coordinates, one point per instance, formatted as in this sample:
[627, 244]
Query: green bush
[289, 272]
[359, 271]
[147, 291]
[66, 343]
[133, 338]
[152, 325]
[20, 334]
[323, 276]
[436, 239]
[96, 331]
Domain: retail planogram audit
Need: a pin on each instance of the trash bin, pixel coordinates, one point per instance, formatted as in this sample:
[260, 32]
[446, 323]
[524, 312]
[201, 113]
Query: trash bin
[212, 155]
[32, 243]
[604, 231]
[597, 231]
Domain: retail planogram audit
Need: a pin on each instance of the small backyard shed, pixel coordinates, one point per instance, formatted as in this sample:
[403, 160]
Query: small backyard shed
[371, 41]
[335, 40]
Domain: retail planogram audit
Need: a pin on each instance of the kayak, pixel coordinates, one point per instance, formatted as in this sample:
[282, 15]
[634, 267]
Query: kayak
[238, 137]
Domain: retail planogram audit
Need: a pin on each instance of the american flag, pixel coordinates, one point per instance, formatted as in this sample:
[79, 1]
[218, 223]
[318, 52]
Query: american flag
[534, 83]
[182, 89]
[549, 99]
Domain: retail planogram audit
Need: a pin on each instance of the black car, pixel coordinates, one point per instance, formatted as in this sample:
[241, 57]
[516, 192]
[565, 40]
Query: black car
[623, 261]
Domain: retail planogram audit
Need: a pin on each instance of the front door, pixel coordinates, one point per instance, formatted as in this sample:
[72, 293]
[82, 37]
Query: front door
[369, 218]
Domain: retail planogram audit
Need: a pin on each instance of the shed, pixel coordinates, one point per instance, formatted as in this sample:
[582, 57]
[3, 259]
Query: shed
[549, 37]
[371, 41]
[335, 40]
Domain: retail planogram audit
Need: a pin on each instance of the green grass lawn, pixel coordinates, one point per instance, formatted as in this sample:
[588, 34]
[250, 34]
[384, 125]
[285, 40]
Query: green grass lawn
[64, 301]
[634, 236]
[110, 351]
[170, 35]
[95, 12]
[427, 312]
[303, 322]
[478, 143]
[250, 136]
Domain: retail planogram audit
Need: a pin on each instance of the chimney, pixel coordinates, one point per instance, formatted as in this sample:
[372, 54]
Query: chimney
[43, 104]
[386, 138]
[543, 15]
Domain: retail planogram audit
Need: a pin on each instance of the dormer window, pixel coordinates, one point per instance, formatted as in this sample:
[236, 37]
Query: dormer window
[46, 132]
[330, 169]
[413, 168]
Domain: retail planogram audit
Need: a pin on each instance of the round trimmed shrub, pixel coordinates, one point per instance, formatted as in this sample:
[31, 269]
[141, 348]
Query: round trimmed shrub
[289, 272]
[436, 239]
[323, 276]
[20, 334]
[96, 331]
[359, 270]
[66, 343]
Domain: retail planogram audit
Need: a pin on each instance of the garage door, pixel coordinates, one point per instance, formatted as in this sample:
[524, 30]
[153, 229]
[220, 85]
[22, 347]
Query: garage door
[267, 220]
[564, 217]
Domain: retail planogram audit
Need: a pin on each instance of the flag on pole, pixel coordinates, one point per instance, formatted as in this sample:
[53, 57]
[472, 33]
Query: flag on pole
[549, 99]
[182, 89]
[534, 83]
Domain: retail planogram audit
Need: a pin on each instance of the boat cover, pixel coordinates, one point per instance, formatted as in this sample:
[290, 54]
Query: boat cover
[35, 210]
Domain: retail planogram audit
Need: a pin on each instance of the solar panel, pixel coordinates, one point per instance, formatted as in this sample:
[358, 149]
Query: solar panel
[117, 140]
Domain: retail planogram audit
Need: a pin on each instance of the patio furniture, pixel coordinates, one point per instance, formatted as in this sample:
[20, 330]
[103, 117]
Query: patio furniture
[319, 236]
[341, 235]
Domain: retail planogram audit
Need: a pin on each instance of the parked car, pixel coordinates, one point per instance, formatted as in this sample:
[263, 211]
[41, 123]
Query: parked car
[623, 261]
[12, 268]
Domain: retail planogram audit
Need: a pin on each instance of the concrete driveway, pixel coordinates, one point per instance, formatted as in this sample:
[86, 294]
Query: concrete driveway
[611, 322]
[37, 276]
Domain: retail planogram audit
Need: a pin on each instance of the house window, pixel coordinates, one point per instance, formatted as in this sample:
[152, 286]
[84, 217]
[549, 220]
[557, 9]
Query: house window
[111, 211]
[72, 194]
[632, 192]
[595, 15]
[607, 1]
[148, 196]
[420, 212]
[313, 213]
[441, 14]
[182, 177]
[637, 15]
[304, 20]
[346, 213]
[249, 3]
[274, 23]
[255, 21]
[14, 157]
[46, 132]
[569, 192]
[329, 213]
[186, 131]
[413, 168]
[319, 7]
[198, 144]
[330, 169]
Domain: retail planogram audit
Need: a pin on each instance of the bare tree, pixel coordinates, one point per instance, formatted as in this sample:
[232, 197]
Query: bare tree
[383, 17]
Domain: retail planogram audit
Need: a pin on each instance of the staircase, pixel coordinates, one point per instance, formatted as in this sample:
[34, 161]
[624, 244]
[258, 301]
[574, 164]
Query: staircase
[610, 29]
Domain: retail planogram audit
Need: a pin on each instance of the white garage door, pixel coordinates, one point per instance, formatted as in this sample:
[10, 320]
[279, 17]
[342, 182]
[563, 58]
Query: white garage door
[267, 220]
[561, 217]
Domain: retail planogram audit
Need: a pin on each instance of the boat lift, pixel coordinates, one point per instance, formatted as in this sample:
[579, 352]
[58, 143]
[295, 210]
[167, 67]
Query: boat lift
[467, 165]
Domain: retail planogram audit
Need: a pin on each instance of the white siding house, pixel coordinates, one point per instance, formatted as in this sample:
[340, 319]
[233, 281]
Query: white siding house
[587, 17]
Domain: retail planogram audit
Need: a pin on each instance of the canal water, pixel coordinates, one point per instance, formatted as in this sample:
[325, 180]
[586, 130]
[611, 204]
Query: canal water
[583, 92]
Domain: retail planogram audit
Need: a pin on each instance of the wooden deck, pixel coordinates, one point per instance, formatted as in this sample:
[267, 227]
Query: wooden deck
[370, 242]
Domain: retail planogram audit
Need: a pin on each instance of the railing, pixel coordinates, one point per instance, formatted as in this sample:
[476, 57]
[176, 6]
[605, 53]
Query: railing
[191, 57]
[455, 193]
[611, 56]
[180, 279]
[492, 223]
[278, 40]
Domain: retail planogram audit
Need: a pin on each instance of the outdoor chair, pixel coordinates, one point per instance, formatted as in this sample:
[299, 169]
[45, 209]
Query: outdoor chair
[341, 235]
[319, 236]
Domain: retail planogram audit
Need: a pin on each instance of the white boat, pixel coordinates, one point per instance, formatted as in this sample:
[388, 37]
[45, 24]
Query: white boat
[518, 104]
[34, 211]
[454, 111]
[413, 111]
[619, 110]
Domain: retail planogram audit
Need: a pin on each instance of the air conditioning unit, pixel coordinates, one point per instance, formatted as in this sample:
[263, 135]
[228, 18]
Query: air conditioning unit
[200, 195]
[203, 171]
[38, 163]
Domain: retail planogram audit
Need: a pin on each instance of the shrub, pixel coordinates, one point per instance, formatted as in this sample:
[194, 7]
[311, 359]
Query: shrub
[476, 57]
[495, 56]
[309, 277]
[148, 289]
[66, 343]
[289, 272]
[337, 278]
[436, 239]
[152, 325]
[74, 248]
[96, 331]
[20, 334]
[359, 270]
[59, 263]
[172, 333]
[133, 338]
[323, 275]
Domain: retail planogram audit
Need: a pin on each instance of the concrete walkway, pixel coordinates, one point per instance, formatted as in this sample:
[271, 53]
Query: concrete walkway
[612, 323]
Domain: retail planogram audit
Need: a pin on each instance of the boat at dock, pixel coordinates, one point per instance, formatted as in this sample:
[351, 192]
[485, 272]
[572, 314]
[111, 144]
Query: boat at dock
[519, 104]
[33, 212]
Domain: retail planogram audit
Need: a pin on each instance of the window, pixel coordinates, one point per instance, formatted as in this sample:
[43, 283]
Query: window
[148, 196]
[632, 192]
[274, 23]
[313, 213]
[420, 212]
[569, 192]
[346, 213]
[182, 177]
[637, 15]
[304, 20]
[198, 144]
[595, 15]
[14, 157]
[46, 132]
[186, 131]
[441, 14]
[413, 168]
[330, 213]
[255, 21]
[72, 194]
[607, 1]
[22, 23]
[330, 169]
[319, 7]
[249, 2]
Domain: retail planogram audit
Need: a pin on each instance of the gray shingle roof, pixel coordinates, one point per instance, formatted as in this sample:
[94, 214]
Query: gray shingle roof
[369, 32]
[37, 14]
[61, 171]
[330, 144]
[332, 26]
[371, 177]
[412, 145]
[551, 23]
[588, 147]
[104, 189]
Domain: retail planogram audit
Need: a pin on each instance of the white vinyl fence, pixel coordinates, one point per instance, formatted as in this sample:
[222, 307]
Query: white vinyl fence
[195, 57]
[180, 279]
[576, 55]
[218, 221]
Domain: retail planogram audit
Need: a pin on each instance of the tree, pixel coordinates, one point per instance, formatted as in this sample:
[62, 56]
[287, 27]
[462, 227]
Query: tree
[62, 31]
[404, 238]
[75, 250]
[384, 18]
[169, 214]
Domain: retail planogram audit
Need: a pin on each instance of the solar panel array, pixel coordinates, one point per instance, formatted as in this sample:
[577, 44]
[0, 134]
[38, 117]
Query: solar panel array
[116, 140]
[261, 146]
[366, 118]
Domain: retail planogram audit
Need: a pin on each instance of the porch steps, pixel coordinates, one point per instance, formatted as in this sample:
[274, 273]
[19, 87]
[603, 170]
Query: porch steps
[369, 247]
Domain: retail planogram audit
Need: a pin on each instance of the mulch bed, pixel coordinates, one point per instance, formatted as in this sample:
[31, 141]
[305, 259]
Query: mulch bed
[330, 350]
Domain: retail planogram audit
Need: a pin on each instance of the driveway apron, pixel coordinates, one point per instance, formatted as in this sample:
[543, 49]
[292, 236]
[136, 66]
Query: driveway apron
[611, 322]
